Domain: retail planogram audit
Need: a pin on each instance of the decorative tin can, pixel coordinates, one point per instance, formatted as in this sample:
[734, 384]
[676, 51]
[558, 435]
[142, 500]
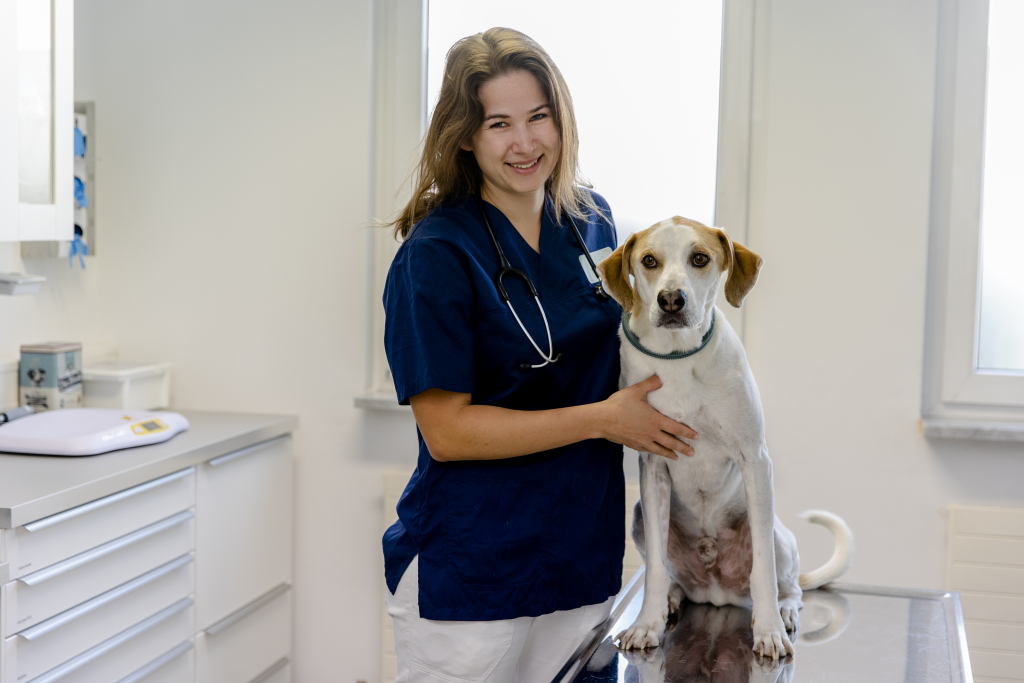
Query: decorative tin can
[51, 375]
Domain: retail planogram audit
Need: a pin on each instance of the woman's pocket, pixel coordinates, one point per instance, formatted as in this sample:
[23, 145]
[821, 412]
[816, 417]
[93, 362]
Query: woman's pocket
[498, 525]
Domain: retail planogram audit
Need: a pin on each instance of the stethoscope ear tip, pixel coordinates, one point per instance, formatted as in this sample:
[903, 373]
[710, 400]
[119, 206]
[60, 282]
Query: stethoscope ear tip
[525, 367]
[600, 293]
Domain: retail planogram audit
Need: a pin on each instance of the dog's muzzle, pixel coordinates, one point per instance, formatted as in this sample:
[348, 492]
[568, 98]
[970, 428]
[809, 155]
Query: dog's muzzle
[671, 300]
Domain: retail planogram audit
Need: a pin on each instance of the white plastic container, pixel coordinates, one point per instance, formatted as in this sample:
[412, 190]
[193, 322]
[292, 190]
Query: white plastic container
[127, 385]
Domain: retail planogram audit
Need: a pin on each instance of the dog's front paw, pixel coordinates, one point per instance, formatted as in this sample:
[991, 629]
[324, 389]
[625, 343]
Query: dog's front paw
[764, 670]
[770, 639]
[649, 666]
[641, 635]
[790, 619]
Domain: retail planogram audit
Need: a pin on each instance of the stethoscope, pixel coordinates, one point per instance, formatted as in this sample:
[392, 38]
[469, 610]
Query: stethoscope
[504, 268]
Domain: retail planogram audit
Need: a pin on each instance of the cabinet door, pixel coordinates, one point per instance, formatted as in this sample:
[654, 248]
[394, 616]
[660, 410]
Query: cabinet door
[253, 649]
[8, 120]
[36, 119]
[243, 528]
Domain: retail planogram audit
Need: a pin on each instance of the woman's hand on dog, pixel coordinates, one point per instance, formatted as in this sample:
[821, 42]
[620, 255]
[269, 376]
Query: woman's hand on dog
[629, 420]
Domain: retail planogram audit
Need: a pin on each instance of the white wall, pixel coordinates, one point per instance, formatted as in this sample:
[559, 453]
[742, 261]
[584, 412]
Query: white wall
[63, 310]
[233, 195]
[835, 326]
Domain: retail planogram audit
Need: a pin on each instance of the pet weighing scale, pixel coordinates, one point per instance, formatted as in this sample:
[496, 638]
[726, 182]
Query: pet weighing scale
[88, 431]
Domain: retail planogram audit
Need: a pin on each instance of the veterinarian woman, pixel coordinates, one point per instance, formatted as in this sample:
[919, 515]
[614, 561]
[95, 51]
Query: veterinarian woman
[509, 543]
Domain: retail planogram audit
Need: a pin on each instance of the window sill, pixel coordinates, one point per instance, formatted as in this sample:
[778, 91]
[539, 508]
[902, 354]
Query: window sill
[974, 430]
[387, 402]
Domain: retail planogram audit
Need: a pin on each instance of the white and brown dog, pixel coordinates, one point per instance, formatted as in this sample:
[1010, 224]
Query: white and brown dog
[706, 524]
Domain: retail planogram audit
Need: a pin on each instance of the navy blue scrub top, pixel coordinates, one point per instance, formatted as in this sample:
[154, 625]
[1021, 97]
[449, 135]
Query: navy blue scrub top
[523, 536]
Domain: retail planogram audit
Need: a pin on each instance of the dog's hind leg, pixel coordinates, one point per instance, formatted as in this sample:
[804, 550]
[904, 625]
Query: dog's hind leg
[787, 569]
[655, 492]
[676, 595]
[636, 531]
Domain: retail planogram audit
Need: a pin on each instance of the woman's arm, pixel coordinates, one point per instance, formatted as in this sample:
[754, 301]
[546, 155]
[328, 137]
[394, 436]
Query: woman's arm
[455, 429]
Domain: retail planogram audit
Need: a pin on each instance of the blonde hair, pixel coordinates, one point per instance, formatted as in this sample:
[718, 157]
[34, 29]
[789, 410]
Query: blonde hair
[448, 172]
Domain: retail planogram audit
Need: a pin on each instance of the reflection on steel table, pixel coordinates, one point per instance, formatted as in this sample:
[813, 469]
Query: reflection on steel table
[848, 634]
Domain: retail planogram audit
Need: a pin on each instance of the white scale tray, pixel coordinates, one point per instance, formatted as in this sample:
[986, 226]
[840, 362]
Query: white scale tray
[88, 431]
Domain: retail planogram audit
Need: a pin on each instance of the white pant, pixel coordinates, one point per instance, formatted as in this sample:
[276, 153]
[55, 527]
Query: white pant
[523, 650]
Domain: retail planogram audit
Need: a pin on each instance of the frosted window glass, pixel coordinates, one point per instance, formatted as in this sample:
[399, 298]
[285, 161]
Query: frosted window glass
[1001, 332]
[35, 102]
[644, 78]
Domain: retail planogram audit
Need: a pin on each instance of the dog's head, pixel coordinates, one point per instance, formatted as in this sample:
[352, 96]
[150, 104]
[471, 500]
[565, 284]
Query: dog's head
[677, 266]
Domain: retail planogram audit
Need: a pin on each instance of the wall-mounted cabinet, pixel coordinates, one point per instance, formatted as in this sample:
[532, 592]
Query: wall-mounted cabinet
[36, 120]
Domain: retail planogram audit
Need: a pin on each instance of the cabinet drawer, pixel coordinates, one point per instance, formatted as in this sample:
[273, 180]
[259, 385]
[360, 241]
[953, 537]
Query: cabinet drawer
[59, 639]
[278, 673]
[181, 669]
[40, 595]
[239, 650]
[243, 534]
[162, 652]
[49, 540]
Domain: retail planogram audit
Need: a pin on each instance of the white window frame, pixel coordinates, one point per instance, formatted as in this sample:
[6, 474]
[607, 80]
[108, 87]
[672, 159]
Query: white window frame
[399, 82]
[959, 400]
[399, 99]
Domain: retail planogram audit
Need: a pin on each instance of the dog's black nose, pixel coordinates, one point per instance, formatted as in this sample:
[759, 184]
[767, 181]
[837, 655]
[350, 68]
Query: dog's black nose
[671, 301]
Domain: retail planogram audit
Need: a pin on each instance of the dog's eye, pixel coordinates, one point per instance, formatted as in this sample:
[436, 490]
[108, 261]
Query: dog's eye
[699, 260]
[649, 261]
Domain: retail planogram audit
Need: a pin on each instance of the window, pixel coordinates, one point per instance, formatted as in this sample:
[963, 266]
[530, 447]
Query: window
[974, 379]
[1001, 325]
[662, 93]
[645, 85]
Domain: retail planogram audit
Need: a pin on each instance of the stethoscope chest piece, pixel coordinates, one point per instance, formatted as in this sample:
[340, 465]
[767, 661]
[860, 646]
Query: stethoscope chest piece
[526, 367]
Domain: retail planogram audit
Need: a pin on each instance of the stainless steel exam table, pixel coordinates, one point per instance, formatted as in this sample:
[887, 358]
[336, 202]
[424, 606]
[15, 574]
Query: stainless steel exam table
[848, 633]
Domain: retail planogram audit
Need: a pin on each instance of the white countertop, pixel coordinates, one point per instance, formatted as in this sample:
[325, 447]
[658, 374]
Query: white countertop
[37, 486]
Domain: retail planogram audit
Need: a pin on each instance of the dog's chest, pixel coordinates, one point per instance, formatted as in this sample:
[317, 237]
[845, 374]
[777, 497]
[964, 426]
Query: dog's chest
[715, 394]
[711, 408]
[715, 397]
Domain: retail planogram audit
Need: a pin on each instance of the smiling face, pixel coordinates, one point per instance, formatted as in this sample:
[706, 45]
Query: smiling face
[517, 145]
[677, 266]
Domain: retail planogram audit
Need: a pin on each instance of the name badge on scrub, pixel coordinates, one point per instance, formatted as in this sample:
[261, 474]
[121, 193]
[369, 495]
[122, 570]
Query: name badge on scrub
[598, 256]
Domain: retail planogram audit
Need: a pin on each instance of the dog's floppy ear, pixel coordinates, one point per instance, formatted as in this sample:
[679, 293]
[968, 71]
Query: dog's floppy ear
[614, 272]
[743, 265]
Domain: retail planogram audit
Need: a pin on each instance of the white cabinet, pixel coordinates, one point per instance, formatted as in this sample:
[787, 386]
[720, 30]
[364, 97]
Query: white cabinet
[180, 579]
[248, 648]
[243, 531]
[36, 120]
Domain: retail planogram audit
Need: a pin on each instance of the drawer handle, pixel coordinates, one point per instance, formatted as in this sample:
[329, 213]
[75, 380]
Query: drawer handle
[64, 618]
[230, 619]
[106, 646]
[265, 676]
[78, 560]
[157, 663]
[103, 502]
[225, 459]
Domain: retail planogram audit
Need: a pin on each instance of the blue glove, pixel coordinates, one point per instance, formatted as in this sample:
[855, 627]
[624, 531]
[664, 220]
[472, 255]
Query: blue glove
[78, 248]
[79, 143]
[80, 197]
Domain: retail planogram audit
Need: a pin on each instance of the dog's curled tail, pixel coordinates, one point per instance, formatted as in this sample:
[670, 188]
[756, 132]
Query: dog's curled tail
[842, 557]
